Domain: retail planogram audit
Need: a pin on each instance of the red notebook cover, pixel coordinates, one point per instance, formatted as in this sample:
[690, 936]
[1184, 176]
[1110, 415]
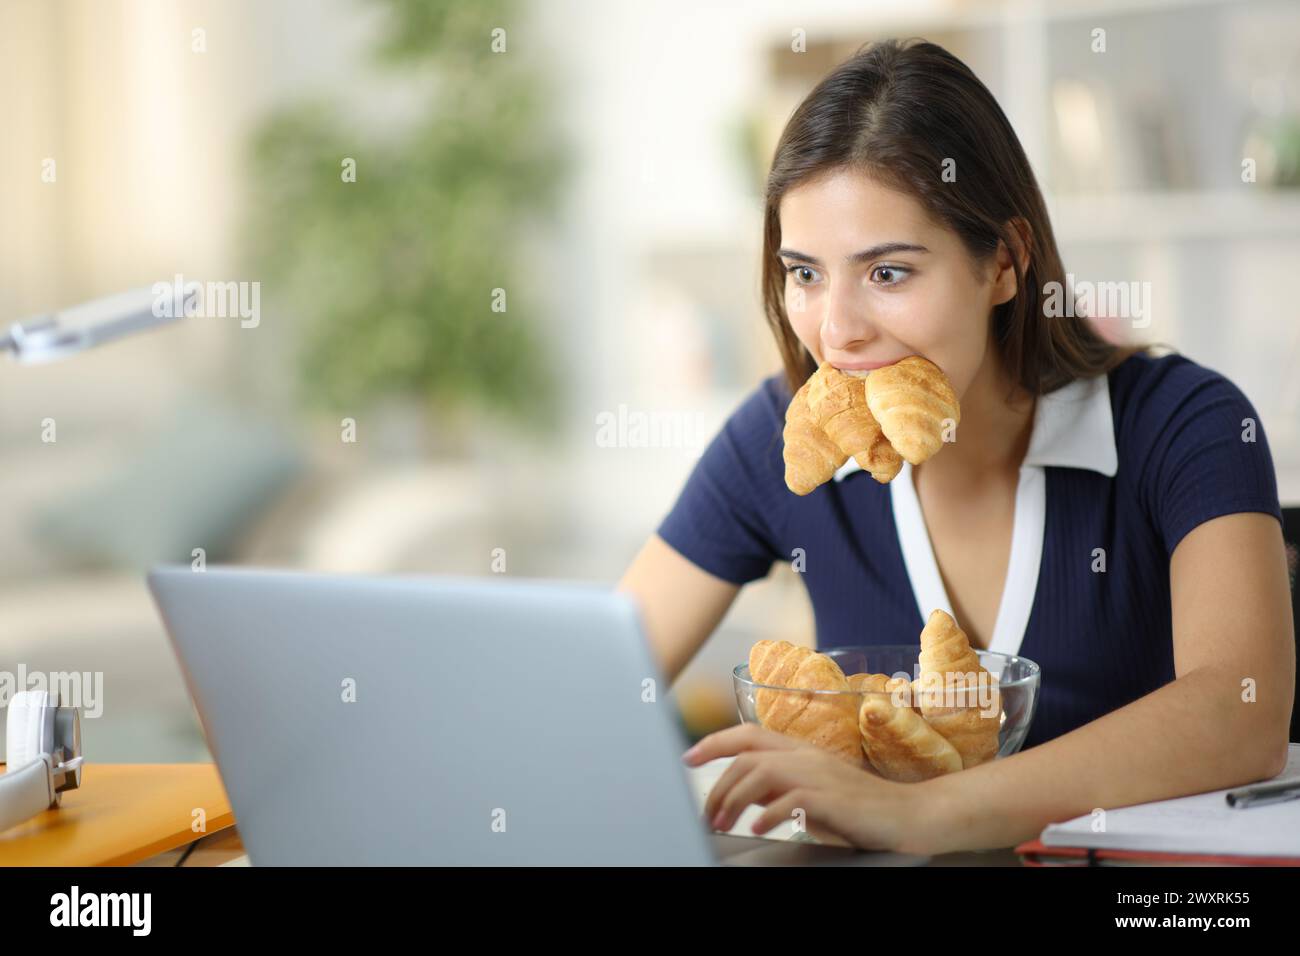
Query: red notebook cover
[1031, 853]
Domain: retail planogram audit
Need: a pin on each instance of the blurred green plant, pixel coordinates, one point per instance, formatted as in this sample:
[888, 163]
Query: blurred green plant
[392, 276]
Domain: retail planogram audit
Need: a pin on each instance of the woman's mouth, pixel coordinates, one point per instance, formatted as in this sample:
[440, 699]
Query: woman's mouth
[861, 369]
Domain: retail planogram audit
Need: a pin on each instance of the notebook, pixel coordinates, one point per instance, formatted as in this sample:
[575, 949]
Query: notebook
[1202, 824]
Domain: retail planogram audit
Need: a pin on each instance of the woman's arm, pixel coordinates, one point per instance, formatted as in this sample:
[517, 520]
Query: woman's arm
[1231, 624]
[681, 605]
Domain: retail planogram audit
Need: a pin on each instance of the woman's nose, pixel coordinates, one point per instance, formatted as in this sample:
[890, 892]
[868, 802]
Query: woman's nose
[845, 323]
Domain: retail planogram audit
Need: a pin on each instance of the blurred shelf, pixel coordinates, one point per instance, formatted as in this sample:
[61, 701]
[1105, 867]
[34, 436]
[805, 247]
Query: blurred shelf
[1140, 216]
[847, 23]
[1055, 10]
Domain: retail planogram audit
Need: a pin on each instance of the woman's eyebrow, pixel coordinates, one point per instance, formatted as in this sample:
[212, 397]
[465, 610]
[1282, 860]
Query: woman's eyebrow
[866, 255]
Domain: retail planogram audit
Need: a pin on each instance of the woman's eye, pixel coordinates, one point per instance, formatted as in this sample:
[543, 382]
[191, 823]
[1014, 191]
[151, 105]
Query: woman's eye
[798, 272]
[888, 275]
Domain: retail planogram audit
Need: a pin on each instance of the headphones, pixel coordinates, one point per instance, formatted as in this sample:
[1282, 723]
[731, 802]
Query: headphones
[43, 748]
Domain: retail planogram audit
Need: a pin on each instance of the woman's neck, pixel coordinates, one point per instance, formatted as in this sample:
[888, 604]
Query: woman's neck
[993, 436]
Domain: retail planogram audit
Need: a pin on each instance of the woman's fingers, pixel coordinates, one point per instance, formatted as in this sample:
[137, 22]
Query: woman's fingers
[758, 779]
[834, 801]
[737, 739]
[759, 776]
[723, 786]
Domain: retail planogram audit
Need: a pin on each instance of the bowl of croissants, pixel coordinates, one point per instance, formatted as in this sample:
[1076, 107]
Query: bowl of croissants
[906, 712]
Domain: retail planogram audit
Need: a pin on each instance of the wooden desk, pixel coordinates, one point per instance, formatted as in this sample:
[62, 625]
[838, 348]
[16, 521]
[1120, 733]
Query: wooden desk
[121, 814]
[126, 814]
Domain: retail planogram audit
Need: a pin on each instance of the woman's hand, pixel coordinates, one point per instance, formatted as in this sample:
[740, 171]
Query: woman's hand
[852, 806]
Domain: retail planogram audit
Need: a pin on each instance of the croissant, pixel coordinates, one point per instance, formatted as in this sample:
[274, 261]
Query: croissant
[838, 402]
[953, 685]
[827, 720]
[868, 683]
[832, 417]
[897, 746]
[884, 684]
[811, 458]
[945, 720]
[911, 399]
[901, 745]
[909, 696]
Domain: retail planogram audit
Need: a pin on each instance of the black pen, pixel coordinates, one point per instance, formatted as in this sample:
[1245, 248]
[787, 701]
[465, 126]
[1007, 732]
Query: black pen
[1263, 793]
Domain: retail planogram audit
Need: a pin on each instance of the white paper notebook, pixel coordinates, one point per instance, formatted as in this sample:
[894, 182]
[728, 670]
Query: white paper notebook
[1202, 823]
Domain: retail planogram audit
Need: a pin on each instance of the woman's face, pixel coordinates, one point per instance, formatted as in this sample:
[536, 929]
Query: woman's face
[880, 280]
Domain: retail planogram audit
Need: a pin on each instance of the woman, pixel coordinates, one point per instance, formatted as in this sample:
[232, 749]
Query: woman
[1109, 514]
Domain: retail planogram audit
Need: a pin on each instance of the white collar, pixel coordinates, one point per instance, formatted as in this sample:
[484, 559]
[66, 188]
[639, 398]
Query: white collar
[1073, 428]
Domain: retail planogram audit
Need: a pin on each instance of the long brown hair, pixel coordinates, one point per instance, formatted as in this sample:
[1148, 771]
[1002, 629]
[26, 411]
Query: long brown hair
[897, 110]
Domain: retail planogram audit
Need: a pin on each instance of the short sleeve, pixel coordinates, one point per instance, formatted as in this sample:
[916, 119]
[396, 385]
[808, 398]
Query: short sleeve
[724, 517]
[1209, 457]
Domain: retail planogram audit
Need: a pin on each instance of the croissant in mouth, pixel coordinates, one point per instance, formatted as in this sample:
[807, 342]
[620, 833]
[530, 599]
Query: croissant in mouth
[890, 415]
[912, 400]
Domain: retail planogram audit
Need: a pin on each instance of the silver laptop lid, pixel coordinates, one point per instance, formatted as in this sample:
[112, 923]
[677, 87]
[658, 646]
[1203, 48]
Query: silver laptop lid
[403, 720]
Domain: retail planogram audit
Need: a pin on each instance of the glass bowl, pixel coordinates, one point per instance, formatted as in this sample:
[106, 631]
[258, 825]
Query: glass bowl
[1017, 682]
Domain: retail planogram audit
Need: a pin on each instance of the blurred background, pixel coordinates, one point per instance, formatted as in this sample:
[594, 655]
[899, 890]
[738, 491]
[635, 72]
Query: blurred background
[515, 245]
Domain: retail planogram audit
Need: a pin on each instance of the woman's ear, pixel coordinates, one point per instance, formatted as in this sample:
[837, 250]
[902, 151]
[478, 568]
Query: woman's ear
[1020, 237]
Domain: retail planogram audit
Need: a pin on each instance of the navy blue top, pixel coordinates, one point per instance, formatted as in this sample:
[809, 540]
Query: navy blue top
[1102, 640]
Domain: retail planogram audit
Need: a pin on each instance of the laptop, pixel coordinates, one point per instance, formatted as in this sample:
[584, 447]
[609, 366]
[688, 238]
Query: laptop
[442, 721]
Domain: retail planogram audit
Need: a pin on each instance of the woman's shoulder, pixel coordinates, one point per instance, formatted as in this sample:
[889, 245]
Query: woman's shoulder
[761, 411]
[744, 454]
[773, 393]
[1189, 436]
[1151, 393]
